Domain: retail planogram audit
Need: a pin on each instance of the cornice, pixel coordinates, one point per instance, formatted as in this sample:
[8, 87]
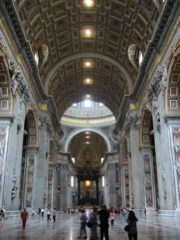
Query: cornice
[54, 114]
[122, 114]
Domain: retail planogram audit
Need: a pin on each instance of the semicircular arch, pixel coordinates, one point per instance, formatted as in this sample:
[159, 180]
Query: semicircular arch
[75, 132]
[88, 55]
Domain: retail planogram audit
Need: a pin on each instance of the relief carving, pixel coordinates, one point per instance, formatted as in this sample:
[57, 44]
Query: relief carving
[18, 82]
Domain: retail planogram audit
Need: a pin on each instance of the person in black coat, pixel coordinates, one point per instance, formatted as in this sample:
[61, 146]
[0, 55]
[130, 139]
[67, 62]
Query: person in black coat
[132, 222]
[104, 222]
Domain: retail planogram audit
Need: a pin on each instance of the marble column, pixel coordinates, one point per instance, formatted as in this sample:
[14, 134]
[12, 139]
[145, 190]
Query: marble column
[79, 184]
[11, 153]
[111, 181]
[136, 171]
[97, 192]
[4, 168]
[64, 184]
[151, 196]
[28, 183]
[163, 151]
[41, 172]
[51, 183]
[125, 195]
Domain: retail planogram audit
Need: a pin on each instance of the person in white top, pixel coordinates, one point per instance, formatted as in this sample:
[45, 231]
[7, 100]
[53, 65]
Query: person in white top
[112, 216]
[42, 212]
[54, 214]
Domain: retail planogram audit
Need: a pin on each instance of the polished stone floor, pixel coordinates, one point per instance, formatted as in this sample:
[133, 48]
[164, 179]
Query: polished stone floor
[66, 227]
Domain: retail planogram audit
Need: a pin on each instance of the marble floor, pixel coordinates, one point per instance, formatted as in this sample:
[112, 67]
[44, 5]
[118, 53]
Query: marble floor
[66, 227]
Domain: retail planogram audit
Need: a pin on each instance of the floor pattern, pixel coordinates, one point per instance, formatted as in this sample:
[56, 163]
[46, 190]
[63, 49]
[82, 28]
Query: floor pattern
[66, 227]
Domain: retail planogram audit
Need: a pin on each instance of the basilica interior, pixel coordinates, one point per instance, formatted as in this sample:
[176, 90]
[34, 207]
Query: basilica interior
[90, 104]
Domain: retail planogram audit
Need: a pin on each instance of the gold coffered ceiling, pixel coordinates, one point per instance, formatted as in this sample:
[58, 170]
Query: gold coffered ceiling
[55, 30]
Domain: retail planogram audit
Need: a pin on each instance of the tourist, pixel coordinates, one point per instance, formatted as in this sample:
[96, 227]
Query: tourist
[112, 216]
[54, 214]
[124, 214]
[48, 215]
[24, 217]
[33, 213]
[132, 223]
[42, 212]
[104, 225]
[83, 219]
[93, 221]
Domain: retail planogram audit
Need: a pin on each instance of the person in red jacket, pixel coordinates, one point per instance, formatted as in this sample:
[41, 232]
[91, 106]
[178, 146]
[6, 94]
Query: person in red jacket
[24, 217]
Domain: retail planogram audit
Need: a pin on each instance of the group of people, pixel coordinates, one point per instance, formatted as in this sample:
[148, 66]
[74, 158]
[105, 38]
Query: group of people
[99, 218]
[24, 215]
[105, 216]
[41, 211]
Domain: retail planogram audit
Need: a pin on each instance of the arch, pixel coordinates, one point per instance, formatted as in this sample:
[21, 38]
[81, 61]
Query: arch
[75, 132]
[30, 130]
[88, 55]
[43, 53]
[147, 128]
[135, 56]
[90, 149]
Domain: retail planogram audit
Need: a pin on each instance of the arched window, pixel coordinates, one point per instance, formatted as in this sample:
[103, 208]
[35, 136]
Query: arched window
[135, 56]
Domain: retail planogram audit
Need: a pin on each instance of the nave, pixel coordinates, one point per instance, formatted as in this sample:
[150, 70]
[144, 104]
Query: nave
[67, 226]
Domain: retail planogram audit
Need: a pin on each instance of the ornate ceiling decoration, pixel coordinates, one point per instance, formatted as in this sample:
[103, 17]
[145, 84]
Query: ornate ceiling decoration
[59, 30]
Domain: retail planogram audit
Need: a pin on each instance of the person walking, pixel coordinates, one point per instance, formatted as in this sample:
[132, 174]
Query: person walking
[112, 216]
[33, 213]
[24, 217]
[3, 214]
[48, 215]
[104, 224]
[132, 223]
[83, 219]
[94, 224]
[54, 214]
[145, 211]
[42, 212]
[124, 215]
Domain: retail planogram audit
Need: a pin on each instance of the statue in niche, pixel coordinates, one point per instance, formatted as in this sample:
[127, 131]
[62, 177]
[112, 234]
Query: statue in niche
[17, 81]
[134, 122]
[157, 83]
[15, 76]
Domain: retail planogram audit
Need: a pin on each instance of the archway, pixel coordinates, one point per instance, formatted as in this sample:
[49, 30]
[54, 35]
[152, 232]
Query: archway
[149, 160]
[28, 161]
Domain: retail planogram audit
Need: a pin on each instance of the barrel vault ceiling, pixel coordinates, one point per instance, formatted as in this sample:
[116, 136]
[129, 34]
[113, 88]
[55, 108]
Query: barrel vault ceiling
[87, 48]
[57, 31]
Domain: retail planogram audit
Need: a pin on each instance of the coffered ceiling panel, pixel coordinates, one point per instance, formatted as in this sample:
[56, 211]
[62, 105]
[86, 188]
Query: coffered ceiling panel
[109, 84]
[60, 26]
